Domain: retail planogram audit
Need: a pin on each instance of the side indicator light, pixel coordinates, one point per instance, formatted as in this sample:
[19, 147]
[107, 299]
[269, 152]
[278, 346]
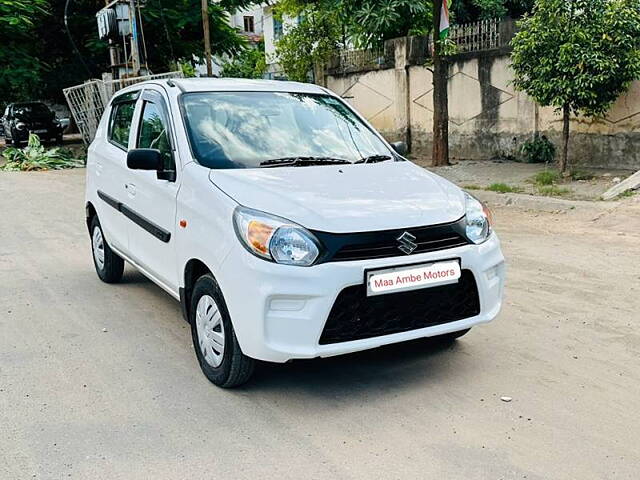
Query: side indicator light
[183, 224]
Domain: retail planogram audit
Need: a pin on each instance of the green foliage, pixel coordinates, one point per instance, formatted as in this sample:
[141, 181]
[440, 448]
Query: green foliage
[251, 63]
[21, 70]
[580, 53]
[626, 194]
[313, 40]
[503, 188]
[465, 11]
[36, 157]
[173, 31]
[38, 62]
[546, 177]
[553, 191]
[490, 9]
[326, 25]
[374, 21]
[187, 69]
[538, 150]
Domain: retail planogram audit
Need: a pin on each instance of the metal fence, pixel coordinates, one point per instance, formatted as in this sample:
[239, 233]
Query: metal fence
[479, 36]
[359, 60]
[88, 101]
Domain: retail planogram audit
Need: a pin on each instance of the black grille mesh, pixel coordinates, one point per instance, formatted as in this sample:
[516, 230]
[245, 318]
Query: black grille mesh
[355, 316]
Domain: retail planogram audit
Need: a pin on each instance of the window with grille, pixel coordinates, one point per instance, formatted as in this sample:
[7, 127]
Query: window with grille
[248, 24]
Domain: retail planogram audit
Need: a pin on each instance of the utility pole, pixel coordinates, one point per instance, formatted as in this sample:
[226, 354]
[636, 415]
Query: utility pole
[113, 53]
[135, 52]
[207, 38]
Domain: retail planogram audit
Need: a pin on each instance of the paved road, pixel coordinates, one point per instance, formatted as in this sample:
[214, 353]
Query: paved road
[131, 403]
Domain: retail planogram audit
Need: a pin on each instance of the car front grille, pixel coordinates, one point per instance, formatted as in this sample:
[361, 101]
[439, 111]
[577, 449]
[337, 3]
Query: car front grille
[354, 316]
[340, 247]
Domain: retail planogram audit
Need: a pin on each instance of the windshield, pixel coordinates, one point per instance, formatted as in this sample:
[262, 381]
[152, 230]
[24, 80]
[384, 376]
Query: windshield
[31, 109]
[256, 129]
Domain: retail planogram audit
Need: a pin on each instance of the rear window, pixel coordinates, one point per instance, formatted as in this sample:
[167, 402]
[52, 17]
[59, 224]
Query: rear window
[120, 124]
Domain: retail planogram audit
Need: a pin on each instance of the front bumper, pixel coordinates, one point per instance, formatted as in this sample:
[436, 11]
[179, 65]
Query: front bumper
[47, 134]
[279, 311]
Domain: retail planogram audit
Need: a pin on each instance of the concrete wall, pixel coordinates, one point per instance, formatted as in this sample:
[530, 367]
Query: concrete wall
[488, 118]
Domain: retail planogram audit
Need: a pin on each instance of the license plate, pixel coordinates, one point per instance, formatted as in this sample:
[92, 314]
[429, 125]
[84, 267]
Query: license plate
[412, 277]
[38, 131]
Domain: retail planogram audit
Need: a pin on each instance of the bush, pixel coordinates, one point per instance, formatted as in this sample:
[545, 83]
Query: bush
[546, 177]
[35, 157]
[538, 150]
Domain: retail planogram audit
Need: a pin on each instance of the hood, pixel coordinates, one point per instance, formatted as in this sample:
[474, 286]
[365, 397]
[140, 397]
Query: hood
[346, 198]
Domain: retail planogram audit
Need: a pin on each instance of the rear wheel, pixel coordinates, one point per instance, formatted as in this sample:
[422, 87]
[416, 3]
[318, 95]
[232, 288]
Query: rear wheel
[214, 339]
[109, 266]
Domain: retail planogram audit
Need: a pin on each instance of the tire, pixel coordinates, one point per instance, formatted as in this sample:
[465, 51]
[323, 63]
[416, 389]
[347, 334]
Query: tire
[218, 351]
[450, 337]
[109, 266]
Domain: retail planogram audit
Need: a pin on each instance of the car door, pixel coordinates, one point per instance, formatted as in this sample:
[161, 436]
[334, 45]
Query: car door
[153, 195]
[111, 172]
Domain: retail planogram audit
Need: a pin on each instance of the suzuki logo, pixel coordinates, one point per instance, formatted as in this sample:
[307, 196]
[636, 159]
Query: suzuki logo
[407, 243]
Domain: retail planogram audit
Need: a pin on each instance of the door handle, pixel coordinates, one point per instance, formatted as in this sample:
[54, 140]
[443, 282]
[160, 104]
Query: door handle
[131, 189]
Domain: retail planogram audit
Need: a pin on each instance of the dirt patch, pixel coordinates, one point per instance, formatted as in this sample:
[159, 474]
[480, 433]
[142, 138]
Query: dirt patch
[587, 184]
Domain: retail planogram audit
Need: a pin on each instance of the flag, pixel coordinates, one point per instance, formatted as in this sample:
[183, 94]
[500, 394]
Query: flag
[444, 20]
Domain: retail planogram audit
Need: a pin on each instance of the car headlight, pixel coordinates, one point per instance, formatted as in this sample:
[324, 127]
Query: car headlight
[274, 238]
[478, 218]
[21, 125]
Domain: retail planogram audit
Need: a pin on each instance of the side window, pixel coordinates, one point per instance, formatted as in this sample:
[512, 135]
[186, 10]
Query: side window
[120, 124]
[153, 133]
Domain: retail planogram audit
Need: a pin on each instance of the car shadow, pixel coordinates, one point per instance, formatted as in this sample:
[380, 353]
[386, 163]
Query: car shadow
[376, 371]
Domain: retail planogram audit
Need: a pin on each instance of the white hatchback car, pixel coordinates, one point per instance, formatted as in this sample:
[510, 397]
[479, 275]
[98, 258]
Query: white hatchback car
[287, 227]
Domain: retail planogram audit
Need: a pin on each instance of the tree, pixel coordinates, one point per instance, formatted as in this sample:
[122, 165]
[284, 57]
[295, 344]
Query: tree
[374, 21]
[251, 63]
[173, 31]
[440, 72]
[325, 26]
[38, 61]
[310, 42]
[21, 69]
[578, 56]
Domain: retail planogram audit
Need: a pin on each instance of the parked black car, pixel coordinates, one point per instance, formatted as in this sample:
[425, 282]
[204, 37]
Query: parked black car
[20, 119]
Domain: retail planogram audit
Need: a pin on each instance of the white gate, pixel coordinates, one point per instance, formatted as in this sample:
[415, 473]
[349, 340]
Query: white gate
[87, 101]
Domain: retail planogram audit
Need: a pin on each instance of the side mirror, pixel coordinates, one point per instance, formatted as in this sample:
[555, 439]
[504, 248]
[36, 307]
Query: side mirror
[400, 148]
[144, 159]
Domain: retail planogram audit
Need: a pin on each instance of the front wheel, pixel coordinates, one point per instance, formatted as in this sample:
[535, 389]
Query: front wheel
[109, 266]
[214, 339]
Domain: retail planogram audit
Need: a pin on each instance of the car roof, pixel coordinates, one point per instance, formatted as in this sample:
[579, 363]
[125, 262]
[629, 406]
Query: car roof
[187, 85]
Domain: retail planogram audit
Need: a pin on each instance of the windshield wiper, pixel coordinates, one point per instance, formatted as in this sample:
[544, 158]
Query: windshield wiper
[375, 159]
[302, 161]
